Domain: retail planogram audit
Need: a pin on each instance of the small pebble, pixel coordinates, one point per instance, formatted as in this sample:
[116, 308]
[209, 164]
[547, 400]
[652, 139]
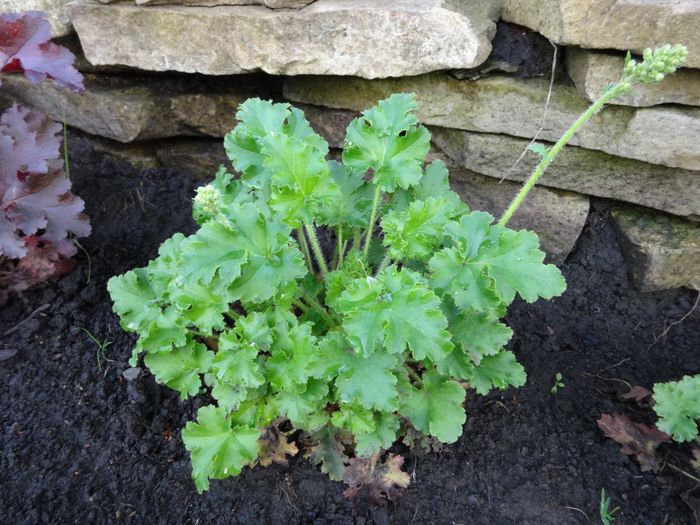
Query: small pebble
[131, 373]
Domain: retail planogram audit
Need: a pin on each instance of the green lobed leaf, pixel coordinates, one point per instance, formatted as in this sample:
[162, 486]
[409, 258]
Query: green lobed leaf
[382, 437]
[218, 449]
[134, 299]
[500, 371]
[300, 176]
[435, 183]
[236, 362]
[255, 329]
[214, 251]
[256, 119]
[394, 310]
[487, 265]
[272, 259]
[354, 418]
[479, 335]
[435, 408]
[515, 264]
[388, 140]
[369, 380]
[333, 351]
[417, 231]
[293, 351]
[677, 403]
[164, 333]
[181, 369]
[304, 407]
[355, 202]
[200, 306]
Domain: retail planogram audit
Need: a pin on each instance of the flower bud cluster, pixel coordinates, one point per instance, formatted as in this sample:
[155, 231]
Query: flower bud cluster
[206, 202]
[656, 64]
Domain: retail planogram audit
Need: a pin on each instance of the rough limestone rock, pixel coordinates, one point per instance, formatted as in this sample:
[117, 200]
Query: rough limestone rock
[612, 24]
[516, 51]
[557, 217]
[661, 252]
[57, 11]
[331, 124]
[140, 155]
[131, 108]
[201, 157]
[584, 171]
[274, 4]
[658, 135]
[367, 38]
[591, 71]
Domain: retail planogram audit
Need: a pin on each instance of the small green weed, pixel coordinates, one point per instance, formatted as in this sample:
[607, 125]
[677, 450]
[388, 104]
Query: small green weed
[102, 346]
[558, 383]
[606, 515]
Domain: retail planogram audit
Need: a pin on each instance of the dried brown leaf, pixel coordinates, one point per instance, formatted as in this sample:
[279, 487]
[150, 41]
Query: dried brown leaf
[375, 480]
[639, 395]
[275, 446]
[636, 439]
[420, 443]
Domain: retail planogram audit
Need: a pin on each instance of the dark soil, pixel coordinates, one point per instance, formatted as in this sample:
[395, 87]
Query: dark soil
[80, 444]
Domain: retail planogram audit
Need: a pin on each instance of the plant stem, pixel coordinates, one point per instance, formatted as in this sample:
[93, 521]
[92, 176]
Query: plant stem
[305, 248]
[316, 247]
[65, 147]
[341, 247]
[610, 94]
[320, 309]
[356, 238]
[385, 262]
[414, 375]
[697, 480]
[372, 218]
[304, 308]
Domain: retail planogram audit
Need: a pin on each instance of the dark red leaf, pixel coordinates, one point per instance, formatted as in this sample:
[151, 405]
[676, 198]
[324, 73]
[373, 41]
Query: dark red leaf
[42, 261]
[25, 47]
[47, 204]
[28, 141]
[636, 439]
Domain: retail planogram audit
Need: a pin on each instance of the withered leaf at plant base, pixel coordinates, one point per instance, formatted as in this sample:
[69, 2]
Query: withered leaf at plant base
[329, 451]
[421, 443]
[636, 439]
[275, 446]
[375, 480]
[639, 395]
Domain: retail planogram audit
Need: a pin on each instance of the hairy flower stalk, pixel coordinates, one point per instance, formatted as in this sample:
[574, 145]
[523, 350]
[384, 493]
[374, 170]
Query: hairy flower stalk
[655, 66]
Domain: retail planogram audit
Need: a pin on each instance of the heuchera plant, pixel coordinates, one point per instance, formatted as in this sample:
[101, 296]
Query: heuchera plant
[384, 327]
[38, 212]
[359, 300]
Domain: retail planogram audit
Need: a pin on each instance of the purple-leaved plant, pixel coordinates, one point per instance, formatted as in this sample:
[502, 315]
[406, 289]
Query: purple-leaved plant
[38, 212]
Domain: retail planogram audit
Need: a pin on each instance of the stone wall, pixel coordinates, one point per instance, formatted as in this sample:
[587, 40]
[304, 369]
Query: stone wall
[164, 78]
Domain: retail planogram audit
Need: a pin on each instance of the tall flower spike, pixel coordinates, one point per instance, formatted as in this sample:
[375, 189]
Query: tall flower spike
[655, 65]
